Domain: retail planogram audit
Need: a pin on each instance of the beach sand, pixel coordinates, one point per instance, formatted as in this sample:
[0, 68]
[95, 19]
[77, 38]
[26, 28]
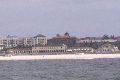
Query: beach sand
[67, 56]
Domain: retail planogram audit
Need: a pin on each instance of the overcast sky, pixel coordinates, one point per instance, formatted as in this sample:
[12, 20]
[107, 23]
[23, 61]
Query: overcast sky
[49, 17]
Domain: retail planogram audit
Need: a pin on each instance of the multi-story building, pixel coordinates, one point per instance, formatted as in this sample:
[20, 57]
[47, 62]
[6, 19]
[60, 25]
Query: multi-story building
[20, 41]
[13, 41]
[40, 40]
[28, 41]
[9, 41]
[37, 40]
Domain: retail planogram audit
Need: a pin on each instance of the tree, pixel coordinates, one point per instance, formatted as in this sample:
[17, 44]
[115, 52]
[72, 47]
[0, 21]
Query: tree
[105, 36]
[112, 37]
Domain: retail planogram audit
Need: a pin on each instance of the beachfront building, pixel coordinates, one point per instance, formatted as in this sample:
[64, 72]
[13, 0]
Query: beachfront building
[20, 51]
[63, 39]
[49, 49]
[80, 49]
[94, 39]
[107, 48]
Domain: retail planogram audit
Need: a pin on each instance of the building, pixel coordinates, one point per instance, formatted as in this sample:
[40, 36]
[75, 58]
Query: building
[65, 39]
[107, 48]
[35, 50]
[20, 41]
[80, 49]
[20, 51]
[94, 39]
[2, 47]
[28, 41]
[37, 40]
[9, 41]
[14, 41]
[40, 40]
[49, 49]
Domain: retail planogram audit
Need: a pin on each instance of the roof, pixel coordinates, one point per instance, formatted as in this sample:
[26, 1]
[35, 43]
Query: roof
[39, 35]
[80, 48]
[107, 44]
[49, 45]
[20, 49]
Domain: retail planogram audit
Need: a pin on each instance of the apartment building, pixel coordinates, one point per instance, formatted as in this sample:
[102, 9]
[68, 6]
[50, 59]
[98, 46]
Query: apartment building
[9, 41]
[14, 41]
[40, 40]
[37, 40]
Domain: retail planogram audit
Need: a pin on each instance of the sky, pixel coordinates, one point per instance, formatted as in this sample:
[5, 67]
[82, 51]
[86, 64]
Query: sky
[77, 17]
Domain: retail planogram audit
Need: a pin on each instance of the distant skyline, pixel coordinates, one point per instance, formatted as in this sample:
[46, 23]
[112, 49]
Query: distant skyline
[80, 18]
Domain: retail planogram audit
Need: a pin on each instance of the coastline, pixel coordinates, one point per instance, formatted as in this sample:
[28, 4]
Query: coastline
[63, 56]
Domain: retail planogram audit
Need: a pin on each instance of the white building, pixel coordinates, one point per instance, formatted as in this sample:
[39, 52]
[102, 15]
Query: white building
[13, 41]
[40, 39]
[28, 41]
[107, 48]
[93, 39]
[81, 49]
[37, 40]
[9, 41]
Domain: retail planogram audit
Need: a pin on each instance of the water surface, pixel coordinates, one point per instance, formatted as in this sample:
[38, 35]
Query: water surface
[96, 69]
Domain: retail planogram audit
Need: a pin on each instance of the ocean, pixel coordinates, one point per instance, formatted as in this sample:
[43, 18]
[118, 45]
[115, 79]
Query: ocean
[82, 69]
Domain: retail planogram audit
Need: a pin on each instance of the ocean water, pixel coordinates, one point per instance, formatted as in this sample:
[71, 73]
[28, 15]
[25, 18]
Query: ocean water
[96, 69]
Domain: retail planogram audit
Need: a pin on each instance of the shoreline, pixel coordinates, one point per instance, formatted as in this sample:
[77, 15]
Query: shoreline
[63, 56]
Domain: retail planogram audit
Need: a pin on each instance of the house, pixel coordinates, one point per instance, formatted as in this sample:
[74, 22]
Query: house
[107, 48]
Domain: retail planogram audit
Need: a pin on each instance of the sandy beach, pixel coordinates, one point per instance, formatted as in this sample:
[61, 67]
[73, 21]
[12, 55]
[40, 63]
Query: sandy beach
[68, 56]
